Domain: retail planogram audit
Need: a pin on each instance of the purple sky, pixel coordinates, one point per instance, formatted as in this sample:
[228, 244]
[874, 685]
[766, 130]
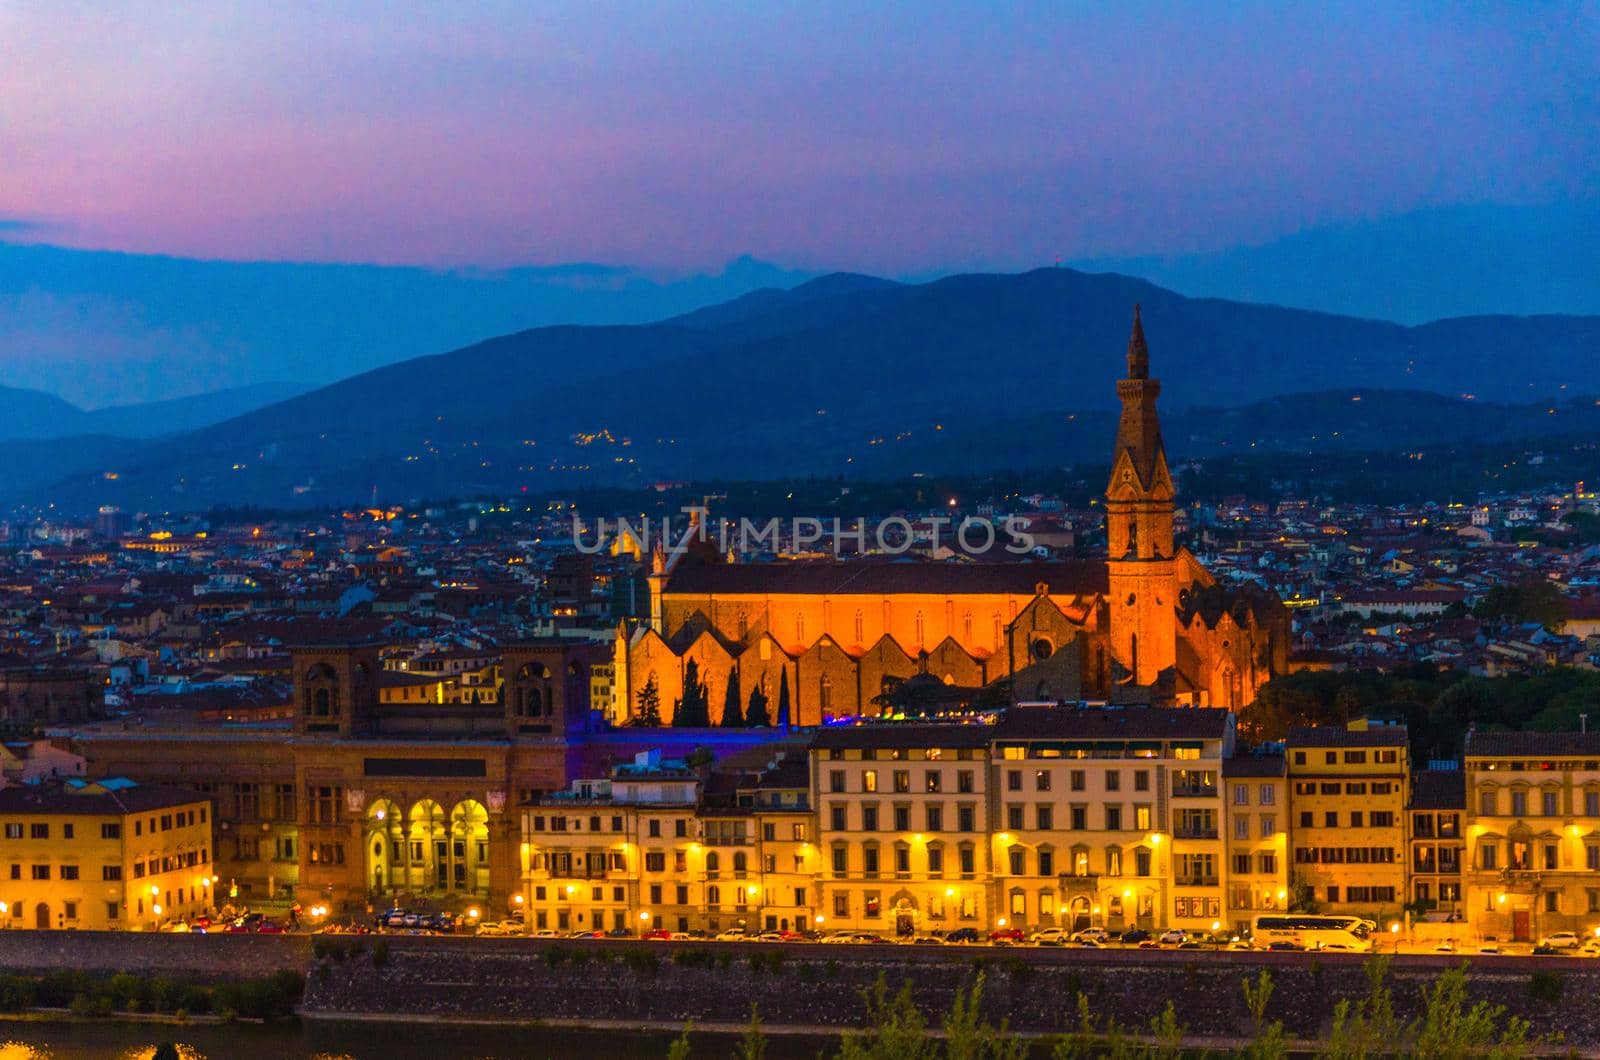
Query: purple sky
[889, 138]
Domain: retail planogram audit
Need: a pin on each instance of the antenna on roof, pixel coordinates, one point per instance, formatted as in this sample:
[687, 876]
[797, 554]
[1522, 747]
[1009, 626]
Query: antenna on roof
[1583, 723]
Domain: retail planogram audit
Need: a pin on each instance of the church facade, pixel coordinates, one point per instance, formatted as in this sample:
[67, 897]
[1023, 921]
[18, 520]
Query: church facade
[1147, 624]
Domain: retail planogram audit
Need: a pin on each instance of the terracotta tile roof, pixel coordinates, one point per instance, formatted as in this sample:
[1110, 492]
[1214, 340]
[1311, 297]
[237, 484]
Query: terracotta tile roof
[1254, 766]
[1439, 789]
[1333, 736]
[902, 734]
[1545, 744]
[1108, 723]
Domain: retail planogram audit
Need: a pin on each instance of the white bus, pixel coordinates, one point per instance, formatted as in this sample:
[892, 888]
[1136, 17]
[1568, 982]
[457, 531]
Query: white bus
[1311, 932]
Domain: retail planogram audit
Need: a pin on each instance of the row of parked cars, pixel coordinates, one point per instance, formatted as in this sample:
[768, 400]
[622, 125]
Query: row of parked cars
[248, 924]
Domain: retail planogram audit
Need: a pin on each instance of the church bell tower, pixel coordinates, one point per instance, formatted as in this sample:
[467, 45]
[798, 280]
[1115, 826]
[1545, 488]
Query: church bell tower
[1141, 561]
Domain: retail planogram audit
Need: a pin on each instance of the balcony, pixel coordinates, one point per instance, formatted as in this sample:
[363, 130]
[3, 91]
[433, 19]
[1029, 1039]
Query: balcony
[1194, 791]
[1196, 881]
[1194, 831]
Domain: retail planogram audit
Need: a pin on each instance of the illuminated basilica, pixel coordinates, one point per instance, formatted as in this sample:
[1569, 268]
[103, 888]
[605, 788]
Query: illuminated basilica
[1147, 624]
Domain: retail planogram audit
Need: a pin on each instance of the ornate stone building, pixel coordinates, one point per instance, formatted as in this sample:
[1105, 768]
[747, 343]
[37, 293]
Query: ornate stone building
[1146, 624]
[365, 802]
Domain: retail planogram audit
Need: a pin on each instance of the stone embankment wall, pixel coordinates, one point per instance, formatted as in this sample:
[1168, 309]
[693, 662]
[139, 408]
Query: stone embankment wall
[200, 956]
[807, 987]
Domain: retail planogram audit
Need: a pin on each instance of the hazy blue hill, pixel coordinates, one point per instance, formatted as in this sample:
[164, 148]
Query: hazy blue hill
[155, 418]
[770, 303]
[105, 328]
[853, 378]
[34, 414]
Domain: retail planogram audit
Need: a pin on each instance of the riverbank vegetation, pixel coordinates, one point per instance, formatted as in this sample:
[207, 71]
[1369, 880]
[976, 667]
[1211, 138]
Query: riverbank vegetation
[1447, 1027]
[269, 997]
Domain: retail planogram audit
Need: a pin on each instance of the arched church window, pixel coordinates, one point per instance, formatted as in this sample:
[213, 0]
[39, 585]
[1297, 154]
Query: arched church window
[920, 628]
[825, 693]
[861, 628]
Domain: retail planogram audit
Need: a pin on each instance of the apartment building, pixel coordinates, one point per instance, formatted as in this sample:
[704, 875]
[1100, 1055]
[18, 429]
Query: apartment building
[1108, 817]
[904, 826]
[1436, 842]
[1257, 819]
[1533, 833]
[103, 855]
[622, 853]
[1348, 793]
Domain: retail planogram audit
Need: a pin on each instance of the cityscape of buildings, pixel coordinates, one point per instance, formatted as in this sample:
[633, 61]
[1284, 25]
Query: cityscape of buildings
[458, 707]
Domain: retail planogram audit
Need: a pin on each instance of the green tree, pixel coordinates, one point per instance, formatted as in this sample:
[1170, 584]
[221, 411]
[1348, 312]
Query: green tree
[1530, 600]
[732, 703]
[895, 1028]
[1449, 1029]
[783, 702]
[753, 1045]
[755, 715]
[648, 712]
[693, 711]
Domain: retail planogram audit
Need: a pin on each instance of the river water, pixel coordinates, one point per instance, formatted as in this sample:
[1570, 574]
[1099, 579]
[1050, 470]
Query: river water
[111, 1040]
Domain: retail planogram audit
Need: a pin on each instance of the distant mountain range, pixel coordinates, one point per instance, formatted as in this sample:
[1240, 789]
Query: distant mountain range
[101, 328]
[855, 376]
[35, 415]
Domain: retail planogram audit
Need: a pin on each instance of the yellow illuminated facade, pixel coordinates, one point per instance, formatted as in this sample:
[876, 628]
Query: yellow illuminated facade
[1257, 838]
[103, 855]
[1348, 793]
[905, 827]
[1533, 835]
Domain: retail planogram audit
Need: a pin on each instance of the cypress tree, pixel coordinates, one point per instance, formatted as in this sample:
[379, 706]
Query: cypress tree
[732, 708]
[783, 702]
[694, 710]
[755, 715]
[648, 713]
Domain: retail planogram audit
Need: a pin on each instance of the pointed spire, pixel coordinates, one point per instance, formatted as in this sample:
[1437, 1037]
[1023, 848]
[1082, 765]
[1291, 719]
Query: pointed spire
[1138, 352]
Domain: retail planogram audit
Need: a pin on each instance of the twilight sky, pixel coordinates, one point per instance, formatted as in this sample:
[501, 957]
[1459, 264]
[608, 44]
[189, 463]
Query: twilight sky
[894, 138]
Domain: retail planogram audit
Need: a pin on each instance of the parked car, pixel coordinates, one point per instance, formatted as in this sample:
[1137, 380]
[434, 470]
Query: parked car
[499, 928]
[1006, 936]
[270, 927]
[733, 935]
[1134, 936]
[927, 940]
[1100, 935]
[1049, 937]
[1284, 947]
[965, 934]
[583, 933]
[544, 933]
[656, 935]
[1175, 937]
[444, 923]
[246, 924]
[1561, 940]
